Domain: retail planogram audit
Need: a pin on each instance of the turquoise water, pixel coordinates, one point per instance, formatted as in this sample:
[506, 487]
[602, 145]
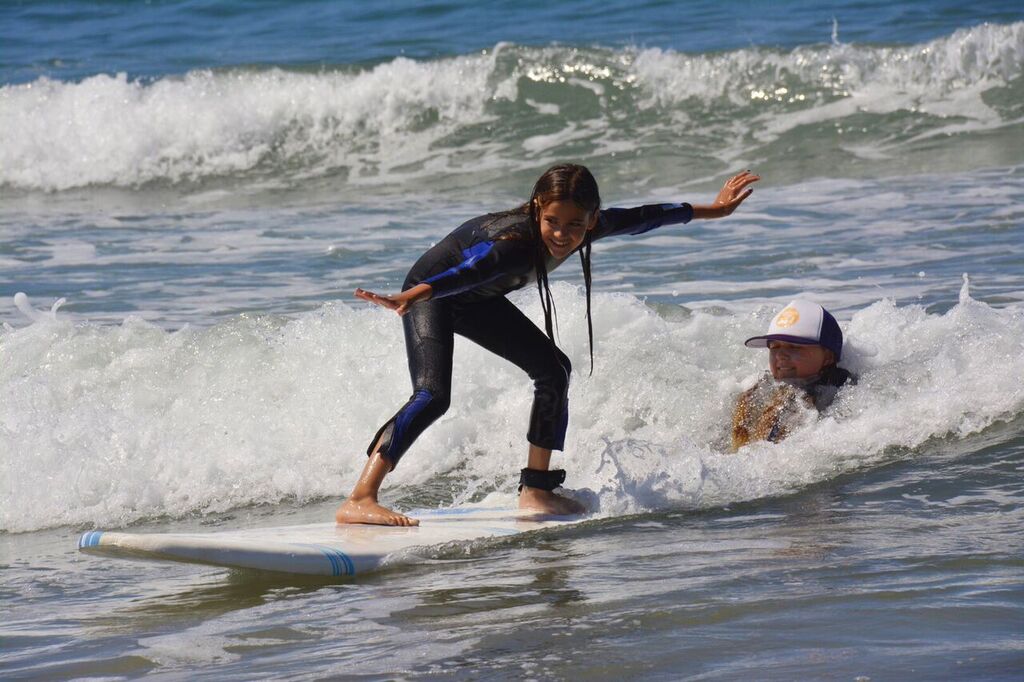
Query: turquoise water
[204, 184]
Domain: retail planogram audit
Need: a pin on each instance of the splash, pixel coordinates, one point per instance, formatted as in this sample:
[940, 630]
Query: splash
[110, 424]
[24, 305]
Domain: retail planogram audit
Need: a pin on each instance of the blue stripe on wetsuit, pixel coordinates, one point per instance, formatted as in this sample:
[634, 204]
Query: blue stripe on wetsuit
[420, 399]
[472, 256]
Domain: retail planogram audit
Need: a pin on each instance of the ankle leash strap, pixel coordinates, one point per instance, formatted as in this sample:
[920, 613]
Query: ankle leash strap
[539, 478]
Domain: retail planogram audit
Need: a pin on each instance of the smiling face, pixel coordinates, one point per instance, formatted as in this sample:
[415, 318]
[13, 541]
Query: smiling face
[797, 361]
[563, 225]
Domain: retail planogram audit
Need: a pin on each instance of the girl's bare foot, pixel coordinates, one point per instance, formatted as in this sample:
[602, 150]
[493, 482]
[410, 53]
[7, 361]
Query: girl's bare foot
[368, 510]
[546, 501]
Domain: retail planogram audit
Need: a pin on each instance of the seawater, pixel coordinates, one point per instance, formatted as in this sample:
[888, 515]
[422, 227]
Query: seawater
[189, 192]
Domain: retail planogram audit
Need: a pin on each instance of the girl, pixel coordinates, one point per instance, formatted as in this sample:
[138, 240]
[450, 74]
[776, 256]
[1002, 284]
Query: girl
[459, 287]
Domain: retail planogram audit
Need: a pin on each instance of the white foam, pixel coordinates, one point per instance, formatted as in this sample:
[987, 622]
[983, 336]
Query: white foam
[108, 424]
[932, 71]
[110, 130]
[944, 77]
[405, 120]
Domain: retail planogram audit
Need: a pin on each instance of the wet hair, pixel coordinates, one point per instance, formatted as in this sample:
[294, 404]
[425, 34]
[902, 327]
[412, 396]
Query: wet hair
[567, 181]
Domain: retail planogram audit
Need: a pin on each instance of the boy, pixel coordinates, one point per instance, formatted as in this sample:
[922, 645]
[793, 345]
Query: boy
[804, 346]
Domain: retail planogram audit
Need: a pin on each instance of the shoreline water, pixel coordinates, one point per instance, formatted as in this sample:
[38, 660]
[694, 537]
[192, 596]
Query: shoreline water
[739, 577]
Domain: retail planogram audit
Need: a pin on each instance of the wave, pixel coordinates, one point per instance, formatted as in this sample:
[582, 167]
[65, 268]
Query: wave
[503, 110]
[107, 425]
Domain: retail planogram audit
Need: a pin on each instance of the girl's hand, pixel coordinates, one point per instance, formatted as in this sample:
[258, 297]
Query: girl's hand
[389, 302]
[399, 302]
[735, 190]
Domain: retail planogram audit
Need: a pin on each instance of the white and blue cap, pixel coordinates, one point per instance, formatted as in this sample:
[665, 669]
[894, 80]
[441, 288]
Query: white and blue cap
[806, 323]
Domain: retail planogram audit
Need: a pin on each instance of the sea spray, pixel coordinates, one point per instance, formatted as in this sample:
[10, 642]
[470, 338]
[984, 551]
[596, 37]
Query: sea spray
[110, 424]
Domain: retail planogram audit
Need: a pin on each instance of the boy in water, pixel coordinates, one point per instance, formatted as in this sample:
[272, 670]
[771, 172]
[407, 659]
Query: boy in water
[804, 345]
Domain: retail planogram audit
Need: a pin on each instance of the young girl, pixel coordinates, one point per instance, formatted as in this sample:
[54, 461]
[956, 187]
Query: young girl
[459, 287]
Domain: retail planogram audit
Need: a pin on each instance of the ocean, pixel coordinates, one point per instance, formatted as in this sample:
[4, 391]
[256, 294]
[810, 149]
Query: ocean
[191, 190]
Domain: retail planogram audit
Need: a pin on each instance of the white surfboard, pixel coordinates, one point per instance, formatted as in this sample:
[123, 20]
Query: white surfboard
[320, 549]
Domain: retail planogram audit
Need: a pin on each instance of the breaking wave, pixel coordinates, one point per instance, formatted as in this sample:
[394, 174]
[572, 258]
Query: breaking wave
[110, 424]
[512, 108]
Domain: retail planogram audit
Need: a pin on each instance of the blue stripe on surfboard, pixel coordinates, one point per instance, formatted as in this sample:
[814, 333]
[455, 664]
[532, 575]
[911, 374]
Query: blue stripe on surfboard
[341, 564]
[90, 539]
[348, 563]
[335, 570]
[335, 564]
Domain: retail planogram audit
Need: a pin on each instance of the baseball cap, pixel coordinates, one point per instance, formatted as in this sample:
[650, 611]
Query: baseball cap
[803, 322]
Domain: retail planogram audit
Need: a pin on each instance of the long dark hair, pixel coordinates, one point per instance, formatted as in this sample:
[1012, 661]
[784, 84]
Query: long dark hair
[560, 183]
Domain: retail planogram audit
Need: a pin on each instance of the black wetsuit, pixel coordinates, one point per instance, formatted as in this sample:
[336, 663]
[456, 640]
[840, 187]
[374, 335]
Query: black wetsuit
[470, 272]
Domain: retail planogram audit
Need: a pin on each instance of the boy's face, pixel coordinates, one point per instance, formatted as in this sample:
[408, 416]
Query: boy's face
[797, 361]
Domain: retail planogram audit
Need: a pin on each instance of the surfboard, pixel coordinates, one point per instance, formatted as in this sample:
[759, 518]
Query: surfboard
[325, 549]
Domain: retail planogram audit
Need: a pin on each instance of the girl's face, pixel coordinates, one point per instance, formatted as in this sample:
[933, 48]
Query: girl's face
[797, 361]
[563, 225]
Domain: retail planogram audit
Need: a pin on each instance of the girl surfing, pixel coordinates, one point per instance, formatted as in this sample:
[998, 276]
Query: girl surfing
[459, 287]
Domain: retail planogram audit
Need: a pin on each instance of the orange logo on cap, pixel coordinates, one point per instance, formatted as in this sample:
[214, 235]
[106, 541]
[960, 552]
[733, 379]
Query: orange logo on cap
[787, 318]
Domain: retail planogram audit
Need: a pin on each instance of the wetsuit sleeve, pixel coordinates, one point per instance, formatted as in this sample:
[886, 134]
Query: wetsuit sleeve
[482, 263]
[616, 221]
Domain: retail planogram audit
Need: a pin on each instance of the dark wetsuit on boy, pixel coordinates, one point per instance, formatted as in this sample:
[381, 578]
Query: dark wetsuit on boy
[470, 271]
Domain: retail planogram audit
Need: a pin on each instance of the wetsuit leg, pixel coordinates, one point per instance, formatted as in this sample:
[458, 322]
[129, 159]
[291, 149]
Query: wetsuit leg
[429, 340]
[500, 327]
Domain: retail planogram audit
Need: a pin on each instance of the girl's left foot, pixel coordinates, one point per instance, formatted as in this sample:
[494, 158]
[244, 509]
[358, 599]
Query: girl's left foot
[368, 510]
[548, 502]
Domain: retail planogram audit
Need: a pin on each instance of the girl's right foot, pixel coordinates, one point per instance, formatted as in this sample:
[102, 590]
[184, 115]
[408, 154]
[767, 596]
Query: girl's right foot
[536, 499]
[367, 510]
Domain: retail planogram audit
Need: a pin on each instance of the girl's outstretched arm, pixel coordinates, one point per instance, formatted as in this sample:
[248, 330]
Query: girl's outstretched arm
[399, 302]
[640, 219]
[736, 189]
